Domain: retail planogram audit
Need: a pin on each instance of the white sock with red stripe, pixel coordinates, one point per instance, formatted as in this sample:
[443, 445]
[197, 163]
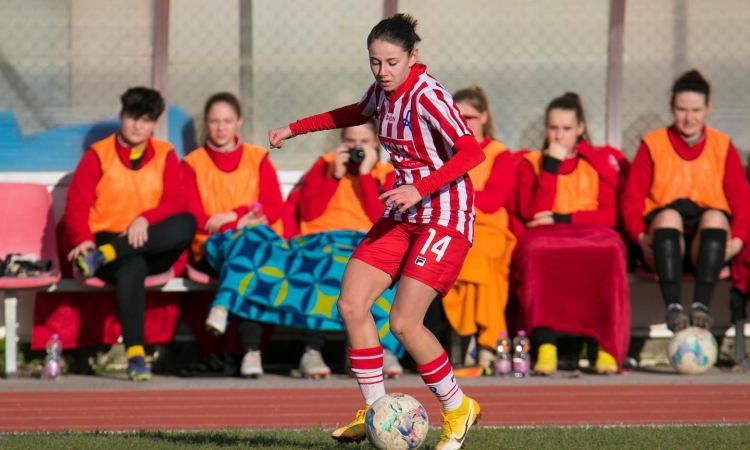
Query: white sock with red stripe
[438, 376]
[367, 366]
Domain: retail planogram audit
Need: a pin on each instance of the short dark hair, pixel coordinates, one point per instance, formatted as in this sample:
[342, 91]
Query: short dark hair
[399, 29]
[371, 123]
[691, 81]
[570, 101]
[142, 101]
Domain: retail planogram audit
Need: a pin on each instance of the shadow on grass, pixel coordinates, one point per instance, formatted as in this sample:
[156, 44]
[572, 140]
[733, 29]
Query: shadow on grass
[309, 439]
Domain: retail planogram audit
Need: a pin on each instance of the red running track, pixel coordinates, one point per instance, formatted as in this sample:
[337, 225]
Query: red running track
[300, 408]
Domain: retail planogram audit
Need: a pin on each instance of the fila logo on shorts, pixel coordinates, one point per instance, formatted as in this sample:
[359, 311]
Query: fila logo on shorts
[420, 261]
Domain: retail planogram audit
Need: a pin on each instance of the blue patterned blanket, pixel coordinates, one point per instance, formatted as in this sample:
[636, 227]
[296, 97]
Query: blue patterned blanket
[294, 283]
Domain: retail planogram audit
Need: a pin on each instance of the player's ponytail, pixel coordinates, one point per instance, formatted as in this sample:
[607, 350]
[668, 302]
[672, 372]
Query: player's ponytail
[399, 29]
[691, 81]
[475, 96]
[570, 101]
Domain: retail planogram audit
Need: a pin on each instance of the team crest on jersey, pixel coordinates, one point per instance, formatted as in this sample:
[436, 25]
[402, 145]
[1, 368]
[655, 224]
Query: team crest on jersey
[420, 261]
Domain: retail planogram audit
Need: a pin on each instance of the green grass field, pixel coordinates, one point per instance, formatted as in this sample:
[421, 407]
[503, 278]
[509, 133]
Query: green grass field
[713, 437]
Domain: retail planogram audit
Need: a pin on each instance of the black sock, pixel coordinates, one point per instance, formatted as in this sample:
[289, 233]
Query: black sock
[545, 336]
[249, 331]
[709, 263]
[668, 262]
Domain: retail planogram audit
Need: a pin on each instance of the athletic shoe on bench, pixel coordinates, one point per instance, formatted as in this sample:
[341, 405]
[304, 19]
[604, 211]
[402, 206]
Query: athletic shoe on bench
[311, 365]
[216, 322]
[677, 320]
[138, 370]
[700, 317]
[251, 365]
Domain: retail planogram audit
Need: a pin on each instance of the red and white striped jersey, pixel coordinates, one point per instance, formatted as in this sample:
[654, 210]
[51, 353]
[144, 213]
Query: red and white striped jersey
[418, 125]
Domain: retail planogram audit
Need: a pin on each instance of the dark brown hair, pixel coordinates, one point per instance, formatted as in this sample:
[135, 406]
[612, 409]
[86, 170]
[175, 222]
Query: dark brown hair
[223, 97]
[691, 81]
[220, 97]
[399, 29]
[475, 96]
[570, 101]
[142, 101]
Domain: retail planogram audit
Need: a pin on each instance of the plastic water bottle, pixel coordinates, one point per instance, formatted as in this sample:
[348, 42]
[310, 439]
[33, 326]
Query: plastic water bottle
[503, 357]
[54, 356]
[521, 355]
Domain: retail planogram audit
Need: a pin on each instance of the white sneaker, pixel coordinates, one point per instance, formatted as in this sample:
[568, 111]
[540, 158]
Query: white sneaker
[486, 359]
[251, 365]
[216, 322]
[391, 367]
[311, 365]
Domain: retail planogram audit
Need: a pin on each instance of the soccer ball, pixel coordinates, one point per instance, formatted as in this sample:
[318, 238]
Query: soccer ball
[396, 422]
[692, 351]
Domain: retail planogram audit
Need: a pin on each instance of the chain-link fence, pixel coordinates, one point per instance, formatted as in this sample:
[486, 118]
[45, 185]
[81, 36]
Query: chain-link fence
[63, 65]
[665, 39]
[523, 54]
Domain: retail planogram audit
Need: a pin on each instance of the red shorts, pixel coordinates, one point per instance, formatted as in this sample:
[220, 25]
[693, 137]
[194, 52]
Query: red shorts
[429, 253]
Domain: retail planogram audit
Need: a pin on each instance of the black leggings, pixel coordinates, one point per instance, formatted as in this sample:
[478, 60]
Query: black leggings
[166, 241]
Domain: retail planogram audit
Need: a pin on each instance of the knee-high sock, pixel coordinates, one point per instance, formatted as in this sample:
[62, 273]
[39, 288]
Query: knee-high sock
[438, 376]
[709, 263]
[367, 366]
[668, 262]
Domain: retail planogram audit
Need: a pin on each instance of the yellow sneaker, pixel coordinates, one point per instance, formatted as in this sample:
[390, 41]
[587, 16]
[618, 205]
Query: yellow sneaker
[605, 363]
[546, 361]
[456, 424]
[355, 431]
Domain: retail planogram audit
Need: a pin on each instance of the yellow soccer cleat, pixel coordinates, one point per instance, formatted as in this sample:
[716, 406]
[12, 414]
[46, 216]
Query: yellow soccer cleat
[355, 431]
[546, 361]
[456, 424]
[605, 363]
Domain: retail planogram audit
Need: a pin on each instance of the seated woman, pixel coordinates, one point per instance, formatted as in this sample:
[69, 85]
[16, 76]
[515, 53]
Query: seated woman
[570, 265]
[229, 185]
[341, 192]
[687, 202]
[125, 214]
[476, 304]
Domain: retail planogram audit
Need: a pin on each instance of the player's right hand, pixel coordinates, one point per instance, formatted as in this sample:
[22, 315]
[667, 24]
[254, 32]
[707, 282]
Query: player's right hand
[277, 136]
[557, 151]
[81, 249]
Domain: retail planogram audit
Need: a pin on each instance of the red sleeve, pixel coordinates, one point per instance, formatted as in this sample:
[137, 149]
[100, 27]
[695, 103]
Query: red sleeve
[172, 200]
[80, 198]
[499, 186]
[269, 191]
[467, 156]
[347, 116]
[535, 193]
[371, 203]
[317, 190]
[738, 194]
[193, 197]
[606, 214]
[636, 190]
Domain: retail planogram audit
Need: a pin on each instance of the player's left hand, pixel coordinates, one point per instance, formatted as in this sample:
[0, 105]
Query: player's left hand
[138, 232]
[403, 197]
[541, 218]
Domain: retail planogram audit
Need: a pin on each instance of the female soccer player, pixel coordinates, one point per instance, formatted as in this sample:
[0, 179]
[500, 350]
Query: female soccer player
[426, 228]
[686, 201]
